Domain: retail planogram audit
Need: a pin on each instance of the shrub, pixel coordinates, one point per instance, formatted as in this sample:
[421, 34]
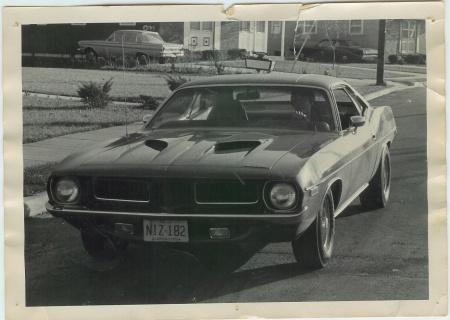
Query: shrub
[210, 55]
[401, 61]
[148, 102]
[393, 59]
[220, 66]
[237, 54]
[174, 81]
[415, 58]
[94, 94]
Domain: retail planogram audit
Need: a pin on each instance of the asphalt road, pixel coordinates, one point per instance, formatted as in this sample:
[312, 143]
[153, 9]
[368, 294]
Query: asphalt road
[378, 255]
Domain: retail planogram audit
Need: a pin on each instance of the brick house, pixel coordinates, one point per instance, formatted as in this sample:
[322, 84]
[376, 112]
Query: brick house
[276, 37]
[273, 37]
[226, 35]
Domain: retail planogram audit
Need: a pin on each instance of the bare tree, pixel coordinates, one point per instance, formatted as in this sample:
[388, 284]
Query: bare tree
[334, 29]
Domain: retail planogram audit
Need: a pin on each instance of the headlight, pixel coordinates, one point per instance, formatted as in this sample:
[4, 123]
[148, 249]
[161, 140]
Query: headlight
[66, 190]
[283, 196]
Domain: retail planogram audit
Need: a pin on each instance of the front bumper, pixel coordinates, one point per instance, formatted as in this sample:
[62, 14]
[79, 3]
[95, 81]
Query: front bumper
[172, 54]
[243, 227]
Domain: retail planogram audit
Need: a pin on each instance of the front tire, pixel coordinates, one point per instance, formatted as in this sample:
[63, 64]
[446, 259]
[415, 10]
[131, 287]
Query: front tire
[376, 195]
[314, 248]
[99, 246]
[91, 55]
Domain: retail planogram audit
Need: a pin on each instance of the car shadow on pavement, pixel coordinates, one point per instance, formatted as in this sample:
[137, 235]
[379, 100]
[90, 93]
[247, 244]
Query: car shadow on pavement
[60, 273]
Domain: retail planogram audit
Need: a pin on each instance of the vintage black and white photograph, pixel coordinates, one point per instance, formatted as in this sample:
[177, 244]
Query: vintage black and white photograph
[227, 161]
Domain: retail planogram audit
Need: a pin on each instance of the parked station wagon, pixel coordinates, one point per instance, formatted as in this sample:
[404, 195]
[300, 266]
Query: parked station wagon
[143, 45]
[233, 159]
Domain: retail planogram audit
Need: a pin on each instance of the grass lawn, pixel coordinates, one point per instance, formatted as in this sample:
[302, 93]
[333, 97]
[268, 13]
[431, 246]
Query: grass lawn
[45, 118]
[35, 178]
[65, 82]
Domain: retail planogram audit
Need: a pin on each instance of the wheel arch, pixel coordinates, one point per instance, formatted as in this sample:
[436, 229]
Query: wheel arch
[336, 191]
[90, 48]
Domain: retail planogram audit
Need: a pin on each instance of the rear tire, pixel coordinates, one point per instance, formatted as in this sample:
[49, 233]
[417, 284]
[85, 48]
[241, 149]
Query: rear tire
[376, 195]
[143, 59]
[102, 247]
[314, 248]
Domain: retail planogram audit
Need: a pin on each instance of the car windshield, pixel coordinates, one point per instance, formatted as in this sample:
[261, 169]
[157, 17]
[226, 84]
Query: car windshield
[153, 38]
[281, 107]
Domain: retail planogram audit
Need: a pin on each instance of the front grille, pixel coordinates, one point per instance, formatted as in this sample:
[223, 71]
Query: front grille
[122, 190]
[226, 193]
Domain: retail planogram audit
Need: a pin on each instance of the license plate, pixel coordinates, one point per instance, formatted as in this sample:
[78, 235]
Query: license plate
[166, 230]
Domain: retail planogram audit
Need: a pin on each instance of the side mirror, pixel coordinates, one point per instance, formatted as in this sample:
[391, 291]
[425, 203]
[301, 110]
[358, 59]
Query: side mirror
[357, 121]
[146, 118]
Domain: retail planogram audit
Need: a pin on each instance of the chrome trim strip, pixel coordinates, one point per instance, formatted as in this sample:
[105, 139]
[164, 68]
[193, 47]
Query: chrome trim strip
[163, 215]
[350, 200]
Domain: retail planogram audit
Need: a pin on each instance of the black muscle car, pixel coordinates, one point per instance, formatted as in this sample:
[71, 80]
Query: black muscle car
[338, 50]
[233, 159]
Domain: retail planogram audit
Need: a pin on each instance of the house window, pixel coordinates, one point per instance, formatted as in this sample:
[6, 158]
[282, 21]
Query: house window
[207, 26]
[356, 26]
[276, 27]
[309, 27]
[244, 26]
[260, 26]
[195, 26]
[127, 23]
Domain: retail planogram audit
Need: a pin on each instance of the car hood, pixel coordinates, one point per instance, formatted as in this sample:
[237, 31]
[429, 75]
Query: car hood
[200, 149]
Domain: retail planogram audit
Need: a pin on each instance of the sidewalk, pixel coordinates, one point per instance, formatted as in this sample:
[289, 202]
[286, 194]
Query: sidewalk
[56, 149]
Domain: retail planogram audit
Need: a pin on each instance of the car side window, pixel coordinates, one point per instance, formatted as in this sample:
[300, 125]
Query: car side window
[118, 36]
[346, 107]
[130, 37]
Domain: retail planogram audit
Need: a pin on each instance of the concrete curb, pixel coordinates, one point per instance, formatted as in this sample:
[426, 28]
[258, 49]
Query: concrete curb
[70, 98]
[34, 206]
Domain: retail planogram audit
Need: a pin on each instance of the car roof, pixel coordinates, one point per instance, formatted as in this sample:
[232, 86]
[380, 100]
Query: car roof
[289, 79]
[138, 31]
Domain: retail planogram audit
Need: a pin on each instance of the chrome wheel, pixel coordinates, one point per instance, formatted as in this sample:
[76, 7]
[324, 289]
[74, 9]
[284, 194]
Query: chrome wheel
[314, 248]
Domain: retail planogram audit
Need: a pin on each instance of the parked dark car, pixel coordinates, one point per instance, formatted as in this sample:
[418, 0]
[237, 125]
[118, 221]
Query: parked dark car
[233, 159]
[340, 50]
[144, 45]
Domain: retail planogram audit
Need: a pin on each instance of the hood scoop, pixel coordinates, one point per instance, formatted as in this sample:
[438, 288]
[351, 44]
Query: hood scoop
[235, 146]
[157, 145]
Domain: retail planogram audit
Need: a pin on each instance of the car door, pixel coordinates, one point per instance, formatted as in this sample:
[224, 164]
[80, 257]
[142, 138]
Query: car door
[130, 44]
[360, 142]
[115, 47]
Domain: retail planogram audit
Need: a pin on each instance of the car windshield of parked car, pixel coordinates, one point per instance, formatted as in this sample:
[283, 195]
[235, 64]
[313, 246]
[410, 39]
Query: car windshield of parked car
[153, 38]
[282, 107]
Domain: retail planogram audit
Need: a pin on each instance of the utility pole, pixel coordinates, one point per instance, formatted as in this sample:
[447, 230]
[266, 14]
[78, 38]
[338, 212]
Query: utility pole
[381, 44]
